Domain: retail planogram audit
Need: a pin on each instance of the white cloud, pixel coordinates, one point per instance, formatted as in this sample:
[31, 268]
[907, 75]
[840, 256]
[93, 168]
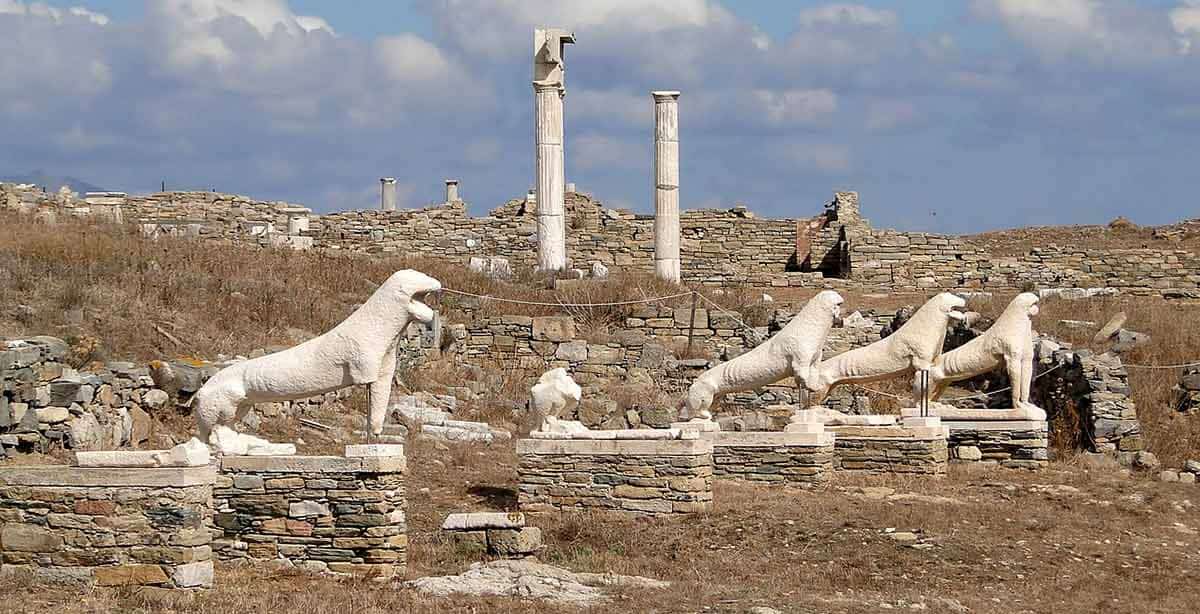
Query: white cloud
[602, 151]
[795, 106]
[1101, 31]
[846, 15]
[885, 115]
[408, 57]
[39, 9]
[309, 23]
[1185, 20]
[1076, 15]
[628, 107]
[817, 156]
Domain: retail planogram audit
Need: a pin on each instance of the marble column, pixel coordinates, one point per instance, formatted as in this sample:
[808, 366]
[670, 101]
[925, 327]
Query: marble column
[387, 194]
[451, 190]
[666, 185]
[551, 226]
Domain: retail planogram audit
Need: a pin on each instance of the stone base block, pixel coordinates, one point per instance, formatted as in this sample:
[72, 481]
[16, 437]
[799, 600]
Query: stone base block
[1018, 444]
[641, 478]
[891, 449]
[788, 457]
[136, 527]
[329, 513]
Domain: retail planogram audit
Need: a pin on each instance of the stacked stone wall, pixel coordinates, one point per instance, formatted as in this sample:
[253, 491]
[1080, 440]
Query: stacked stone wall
[107, 527]
[44, 402]
[317, 513]
[772, 457]
[1015, 444]
[636, 477]
[890, 455]
[718, 247]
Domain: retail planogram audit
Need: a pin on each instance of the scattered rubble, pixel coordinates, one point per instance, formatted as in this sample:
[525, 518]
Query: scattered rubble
[531, 580]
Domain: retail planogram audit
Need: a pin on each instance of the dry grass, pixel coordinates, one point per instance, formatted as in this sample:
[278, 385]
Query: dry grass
[138, 297]
[1017, 241]
[1002, 541]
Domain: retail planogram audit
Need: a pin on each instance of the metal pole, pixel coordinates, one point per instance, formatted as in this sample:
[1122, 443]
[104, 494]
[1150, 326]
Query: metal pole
[692, 323]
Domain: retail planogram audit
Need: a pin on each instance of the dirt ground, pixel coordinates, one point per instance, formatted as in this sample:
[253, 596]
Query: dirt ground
[1073, 538]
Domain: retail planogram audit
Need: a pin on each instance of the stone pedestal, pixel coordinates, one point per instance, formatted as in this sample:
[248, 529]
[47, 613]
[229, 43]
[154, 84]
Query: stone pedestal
[798, 458]
[996, 436]
[666, 185]
[899, 449]
[319, 513]
[108, 526]
[636, 477]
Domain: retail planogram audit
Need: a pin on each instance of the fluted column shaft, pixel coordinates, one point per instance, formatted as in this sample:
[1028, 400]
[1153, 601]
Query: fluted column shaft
[666, 186]
[548, 138]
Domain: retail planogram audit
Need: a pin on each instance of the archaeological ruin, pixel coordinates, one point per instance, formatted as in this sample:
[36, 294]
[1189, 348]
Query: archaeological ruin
[658, 414]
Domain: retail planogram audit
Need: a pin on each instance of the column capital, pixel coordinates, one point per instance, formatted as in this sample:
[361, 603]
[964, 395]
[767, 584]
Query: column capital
[665, 95]
[547, 86]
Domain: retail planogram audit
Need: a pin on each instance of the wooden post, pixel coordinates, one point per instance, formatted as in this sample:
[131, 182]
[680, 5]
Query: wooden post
[692, 323]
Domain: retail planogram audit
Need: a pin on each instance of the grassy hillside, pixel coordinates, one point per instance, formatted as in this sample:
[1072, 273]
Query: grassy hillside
[118, 295]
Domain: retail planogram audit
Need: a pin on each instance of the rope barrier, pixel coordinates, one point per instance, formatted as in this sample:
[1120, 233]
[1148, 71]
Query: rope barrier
[733, 316]
[544, 304]
[1180, 366]
[757, 336]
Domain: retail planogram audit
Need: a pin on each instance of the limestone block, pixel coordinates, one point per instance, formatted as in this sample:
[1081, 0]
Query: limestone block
[374, 450]
[573, 351]
[554, 328]
[52, 415]
[193, 575]
[514, 542]
[130, 575]
[16, 537]
[475, 521]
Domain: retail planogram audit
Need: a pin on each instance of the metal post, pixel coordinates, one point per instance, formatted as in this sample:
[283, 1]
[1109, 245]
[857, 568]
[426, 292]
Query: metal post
[692, 323]
[924, 393]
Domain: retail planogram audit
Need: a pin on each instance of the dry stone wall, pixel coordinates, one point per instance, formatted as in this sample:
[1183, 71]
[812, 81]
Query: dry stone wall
[107, 527]
[44, 402]
[317, 513]
[719, 247]
[635, 477]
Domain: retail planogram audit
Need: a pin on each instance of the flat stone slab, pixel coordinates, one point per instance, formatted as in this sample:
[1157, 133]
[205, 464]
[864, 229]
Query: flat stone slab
[969, 413]
[890, 432]
[704, 426]
[314, 464]
[478, 521]
[62, 475]
[618, 434]
[996, 425]
[627, 447]
[375, 450]
[867, 420]
[769, 439]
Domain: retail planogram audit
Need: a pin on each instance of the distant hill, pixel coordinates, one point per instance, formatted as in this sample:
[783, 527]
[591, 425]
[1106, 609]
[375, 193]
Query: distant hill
[52, 182]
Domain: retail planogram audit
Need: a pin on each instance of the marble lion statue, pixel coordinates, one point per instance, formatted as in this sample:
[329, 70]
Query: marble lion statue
[360, 350]
[795, 351]
[554, 394]
[1009, 341]
[911, 348]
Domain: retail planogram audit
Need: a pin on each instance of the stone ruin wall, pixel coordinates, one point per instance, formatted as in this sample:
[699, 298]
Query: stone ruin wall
[719, 247]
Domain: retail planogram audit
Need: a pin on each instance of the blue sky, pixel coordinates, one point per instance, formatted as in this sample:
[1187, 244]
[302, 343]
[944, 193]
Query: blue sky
[950, 116]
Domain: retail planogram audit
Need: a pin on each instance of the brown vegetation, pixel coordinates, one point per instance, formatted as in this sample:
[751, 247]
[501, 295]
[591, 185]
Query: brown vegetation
[1071, 539]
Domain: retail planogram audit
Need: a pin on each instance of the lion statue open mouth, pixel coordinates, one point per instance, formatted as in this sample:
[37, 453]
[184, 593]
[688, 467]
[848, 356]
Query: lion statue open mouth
[359, 350]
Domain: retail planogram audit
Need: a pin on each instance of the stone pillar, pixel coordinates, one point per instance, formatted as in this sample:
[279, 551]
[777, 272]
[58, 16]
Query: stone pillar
[387, 193]
[666, 185]
[452, 190]
[551, 227]
[550, 177]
